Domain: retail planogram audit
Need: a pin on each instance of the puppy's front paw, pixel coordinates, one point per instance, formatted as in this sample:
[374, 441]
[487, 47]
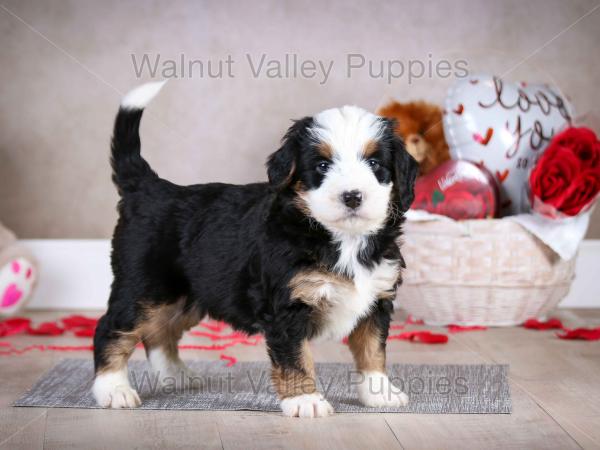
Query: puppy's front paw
[376, 390]
[119, 397]
[306, 406]
[111, 391]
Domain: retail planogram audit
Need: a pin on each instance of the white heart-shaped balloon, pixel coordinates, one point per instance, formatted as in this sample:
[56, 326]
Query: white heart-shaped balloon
[505, 127]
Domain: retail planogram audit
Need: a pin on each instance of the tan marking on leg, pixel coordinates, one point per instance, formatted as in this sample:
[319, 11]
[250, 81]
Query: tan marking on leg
[161, 332]
[366, 347]
[291, 382]
[118, 352]
[164, 325]
[158, 326]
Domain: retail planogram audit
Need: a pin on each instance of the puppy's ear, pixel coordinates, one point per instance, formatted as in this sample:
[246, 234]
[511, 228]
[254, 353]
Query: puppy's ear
[405, 168]
[281, 165]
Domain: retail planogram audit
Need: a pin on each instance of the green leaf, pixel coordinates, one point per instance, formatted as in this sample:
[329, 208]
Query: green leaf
[437, 197]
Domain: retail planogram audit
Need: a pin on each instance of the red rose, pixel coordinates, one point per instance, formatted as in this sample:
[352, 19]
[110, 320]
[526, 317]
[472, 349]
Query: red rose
[583, 143]
[553, 174]
[567, 176]
[583, 191]
[593, 160]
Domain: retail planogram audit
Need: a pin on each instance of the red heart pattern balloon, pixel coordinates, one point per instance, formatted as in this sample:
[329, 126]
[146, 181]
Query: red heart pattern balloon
[506, 126]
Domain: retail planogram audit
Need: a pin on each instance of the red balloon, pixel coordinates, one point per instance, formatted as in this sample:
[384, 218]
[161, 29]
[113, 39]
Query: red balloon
[457, 189]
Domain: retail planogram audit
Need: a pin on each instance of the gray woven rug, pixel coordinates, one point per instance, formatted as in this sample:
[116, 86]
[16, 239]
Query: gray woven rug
[433, 389]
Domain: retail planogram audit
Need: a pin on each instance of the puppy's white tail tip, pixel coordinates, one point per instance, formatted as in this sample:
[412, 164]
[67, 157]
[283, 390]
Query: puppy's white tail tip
[139, 97]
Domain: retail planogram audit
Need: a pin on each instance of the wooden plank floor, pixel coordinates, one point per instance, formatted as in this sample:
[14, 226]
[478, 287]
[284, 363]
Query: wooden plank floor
[555, 387]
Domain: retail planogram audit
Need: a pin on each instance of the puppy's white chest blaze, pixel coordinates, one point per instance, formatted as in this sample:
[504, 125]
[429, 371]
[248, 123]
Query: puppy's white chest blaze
[340, 301]
[348, 306]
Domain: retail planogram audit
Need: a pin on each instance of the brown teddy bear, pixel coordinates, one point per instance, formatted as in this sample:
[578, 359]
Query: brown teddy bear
[419, 124]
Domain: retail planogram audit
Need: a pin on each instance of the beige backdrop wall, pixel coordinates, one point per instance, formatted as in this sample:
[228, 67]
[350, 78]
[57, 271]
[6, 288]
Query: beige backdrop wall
[65, 64]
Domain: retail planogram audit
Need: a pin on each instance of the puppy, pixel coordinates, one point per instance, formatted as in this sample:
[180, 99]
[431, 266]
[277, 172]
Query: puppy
[311, 254]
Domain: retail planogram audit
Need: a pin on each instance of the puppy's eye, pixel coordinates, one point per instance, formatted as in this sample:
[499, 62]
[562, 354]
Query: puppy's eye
[323, 167]
[373, 163]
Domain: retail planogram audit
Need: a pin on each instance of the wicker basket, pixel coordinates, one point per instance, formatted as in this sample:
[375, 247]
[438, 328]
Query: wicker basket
[479, 272]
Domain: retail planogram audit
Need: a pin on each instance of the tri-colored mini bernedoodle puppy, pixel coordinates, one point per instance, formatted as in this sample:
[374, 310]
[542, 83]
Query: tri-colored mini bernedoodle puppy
[311, 254]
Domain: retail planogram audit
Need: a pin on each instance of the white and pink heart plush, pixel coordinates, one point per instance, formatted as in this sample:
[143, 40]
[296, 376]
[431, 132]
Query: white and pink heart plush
[505, 127]
[18, 274]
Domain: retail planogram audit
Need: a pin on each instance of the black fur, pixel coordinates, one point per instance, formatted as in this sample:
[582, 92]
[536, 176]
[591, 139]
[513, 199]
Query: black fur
[231, 250]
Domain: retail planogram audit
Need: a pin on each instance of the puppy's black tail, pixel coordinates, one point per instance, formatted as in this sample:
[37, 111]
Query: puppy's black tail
[129, 168]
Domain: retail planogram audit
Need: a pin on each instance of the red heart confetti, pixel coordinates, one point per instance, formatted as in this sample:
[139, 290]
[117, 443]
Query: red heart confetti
[586, 334]
[214, 325]
[218, 337]
[46, 329]
[42, 348]
[77, 321]
[15, 325]
[551, 324]
[424, 337]
[83, 326]
[231, 360]
[85, 332]
[459, 328]
[219, 346]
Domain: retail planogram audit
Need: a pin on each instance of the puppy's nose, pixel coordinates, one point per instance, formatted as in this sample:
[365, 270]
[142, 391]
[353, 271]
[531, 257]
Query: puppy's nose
[352, 199]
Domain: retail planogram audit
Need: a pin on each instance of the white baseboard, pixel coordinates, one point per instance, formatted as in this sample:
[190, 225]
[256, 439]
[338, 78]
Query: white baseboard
[76, 274]
[73, 274]
[585, 290]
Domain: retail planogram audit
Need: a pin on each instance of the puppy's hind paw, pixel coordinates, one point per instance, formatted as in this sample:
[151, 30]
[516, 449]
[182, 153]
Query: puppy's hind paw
[180, 378]
[306, 406]
[172, 372]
